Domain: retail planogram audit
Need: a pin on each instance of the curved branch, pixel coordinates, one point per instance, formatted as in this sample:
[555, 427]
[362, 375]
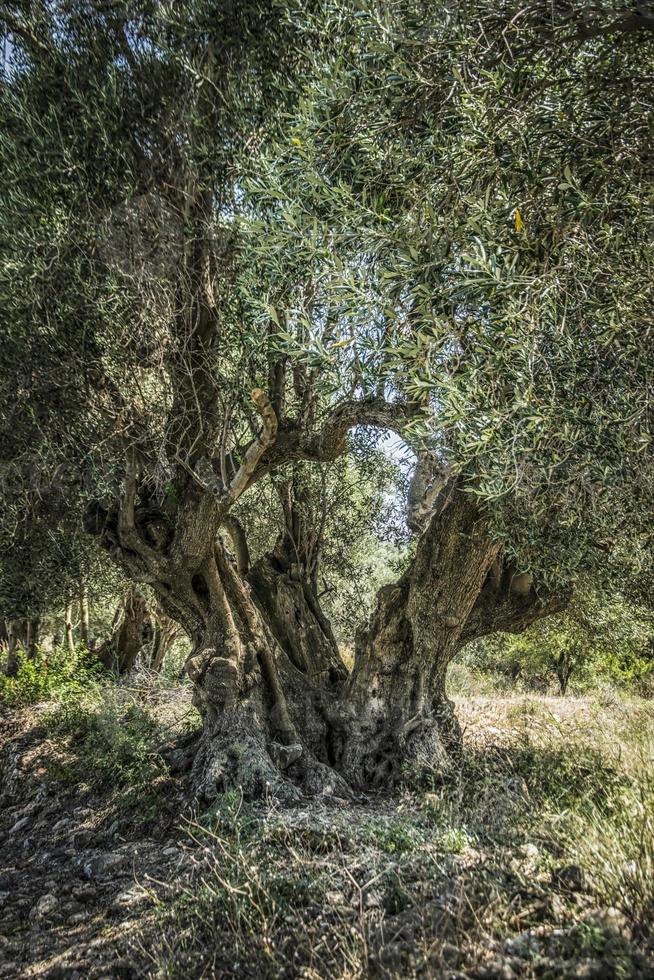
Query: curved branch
[257, 448]
[501, 609]
[294, 443]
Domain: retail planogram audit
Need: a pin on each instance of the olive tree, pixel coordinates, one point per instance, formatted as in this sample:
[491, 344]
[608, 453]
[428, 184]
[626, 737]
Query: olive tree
[237, 234]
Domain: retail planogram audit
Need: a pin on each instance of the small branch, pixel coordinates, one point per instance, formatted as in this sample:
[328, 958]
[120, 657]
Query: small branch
[24, 33]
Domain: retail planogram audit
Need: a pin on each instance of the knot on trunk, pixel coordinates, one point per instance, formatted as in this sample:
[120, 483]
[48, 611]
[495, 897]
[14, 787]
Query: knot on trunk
[218, 677]
[284, 755]
[221, 683]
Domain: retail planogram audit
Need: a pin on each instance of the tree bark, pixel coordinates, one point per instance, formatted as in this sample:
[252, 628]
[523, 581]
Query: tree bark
[166, 631]
[564, 668]
[266, 678]
[398, 715]
[280, 713]
[121, 650]
[68, 627]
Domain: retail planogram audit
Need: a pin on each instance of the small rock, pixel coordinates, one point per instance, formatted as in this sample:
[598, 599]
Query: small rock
[45, 906]
[96, 865]
[335, 898]
[524, 945]
[530, 852]
[81, 838]
[84, 893]
[60, 824]
[19, 825]
[131, 897]
[77, 917]
[170, 851]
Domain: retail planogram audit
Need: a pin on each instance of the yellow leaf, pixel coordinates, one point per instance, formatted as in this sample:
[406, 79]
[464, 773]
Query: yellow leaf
[296, 142]
[519, 223]
[342, 343]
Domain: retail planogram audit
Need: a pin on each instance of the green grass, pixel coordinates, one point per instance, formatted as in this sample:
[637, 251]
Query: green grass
[535, 860]
[105, 740]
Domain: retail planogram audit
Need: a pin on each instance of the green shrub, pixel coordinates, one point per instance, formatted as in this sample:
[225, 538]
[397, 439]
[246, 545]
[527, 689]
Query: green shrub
[598, 640]
[109, 743]
[48, 675]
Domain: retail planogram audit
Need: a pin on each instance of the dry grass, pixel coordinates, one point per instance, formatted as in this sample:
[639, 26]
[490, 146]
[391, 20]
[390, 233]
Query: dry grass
[536, 862]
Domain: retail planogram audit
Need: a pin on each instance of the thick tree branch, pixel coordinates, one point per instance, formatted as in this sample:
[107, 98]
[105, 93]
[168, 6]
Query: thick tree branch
[294, 443]
[502, 609]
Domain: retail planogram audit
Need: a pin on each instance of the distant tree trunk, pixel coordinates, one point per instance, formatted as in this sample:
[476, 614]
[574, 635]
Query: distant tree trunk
[166, 631]
[68, 627]
[84, 613]
[19, 634]
[564, 670]
[120, 651]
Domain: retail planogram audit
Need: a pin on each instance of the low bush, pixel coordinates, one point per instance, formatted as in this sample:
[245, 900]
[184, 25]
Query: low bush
[48, 675]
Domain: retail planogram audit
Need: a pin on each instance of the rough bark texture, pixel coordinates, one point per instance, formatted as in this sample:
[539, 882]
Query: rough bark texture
[281, 715]
[398, 713]
[121, 650]
[265, 676]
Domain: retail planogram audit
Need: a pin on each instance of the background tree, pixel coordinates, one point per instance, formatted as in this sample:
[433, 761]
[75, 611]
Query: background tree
[599, 638]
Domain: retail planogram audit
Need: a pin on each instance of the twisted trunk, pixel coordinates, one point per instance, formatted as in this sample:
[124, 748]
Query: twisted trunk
[280, 713]
[395, 703]
[265, 679]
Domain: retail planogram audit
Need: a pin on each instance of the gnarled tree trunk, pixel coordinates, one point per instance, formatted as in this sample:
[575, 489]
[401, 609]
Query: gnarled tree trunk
[266, 679]
[280, 713]
[395, 703]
